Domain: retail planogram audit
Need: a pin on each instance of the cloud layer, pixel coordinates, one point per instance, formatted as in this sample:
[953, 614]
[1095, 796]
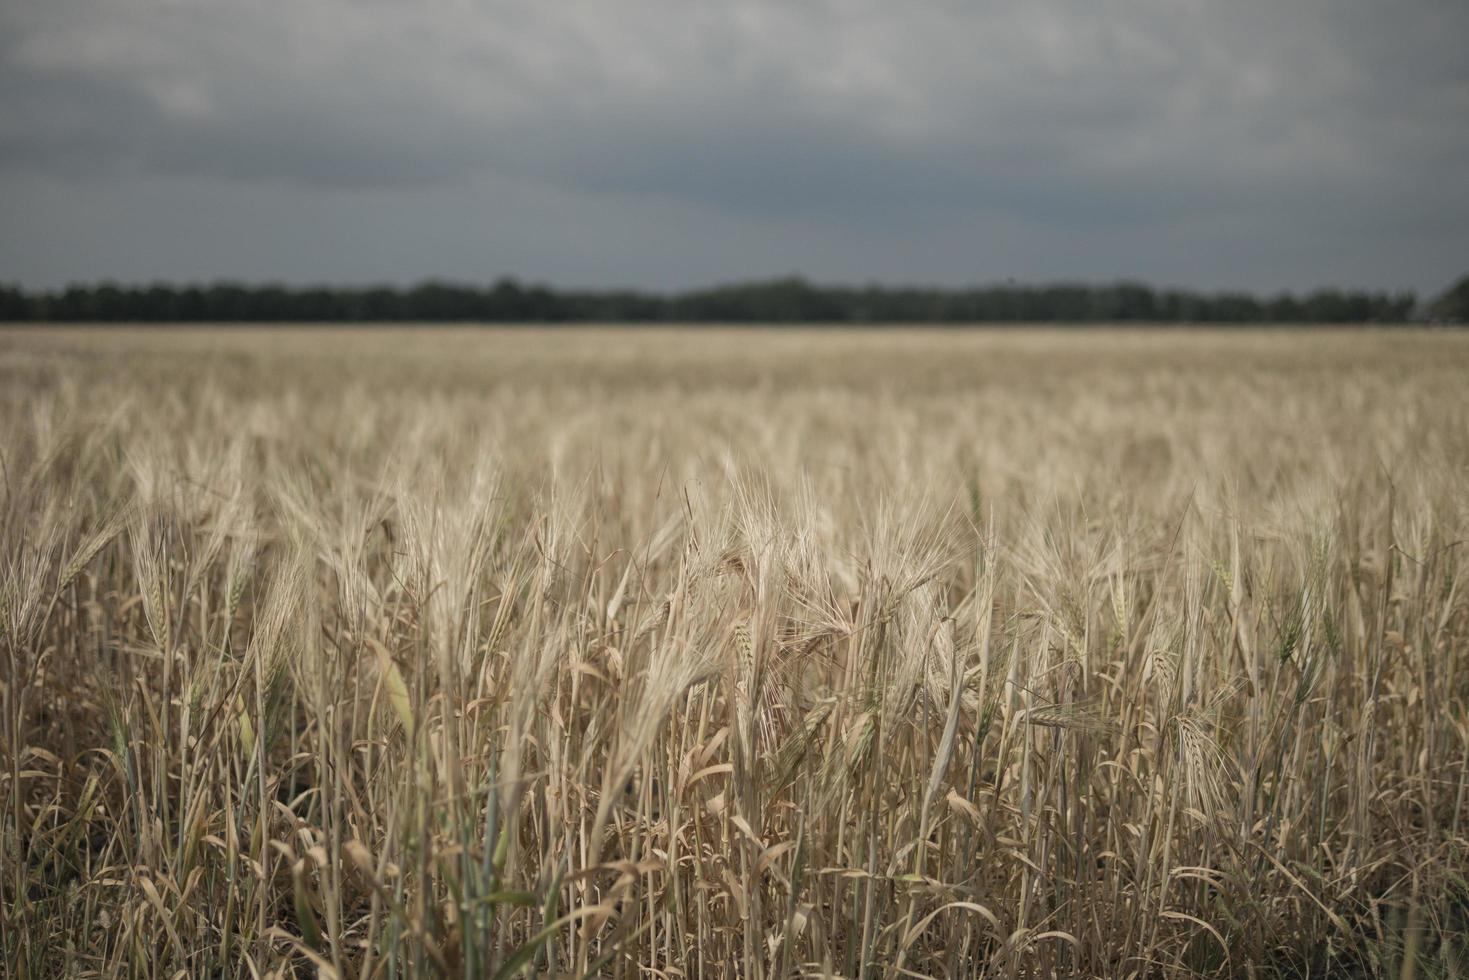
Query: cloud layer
[1249, 143]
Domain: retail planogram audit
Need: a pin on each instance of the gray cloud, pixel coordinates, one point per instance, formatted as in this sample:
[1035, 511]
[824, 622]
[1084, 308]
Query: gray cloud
[1247, 143]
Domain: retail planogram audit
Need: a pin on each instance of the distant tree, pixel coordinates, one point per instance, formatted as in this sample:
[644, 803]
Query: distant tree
[14, 306]
[1284, 308]
[1401, 307]
[1453, 305]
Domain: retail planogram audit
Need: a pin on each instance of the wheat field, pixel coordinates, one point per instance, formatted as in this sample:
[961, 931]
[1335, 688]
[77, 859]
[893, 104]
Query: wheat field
[706, 653]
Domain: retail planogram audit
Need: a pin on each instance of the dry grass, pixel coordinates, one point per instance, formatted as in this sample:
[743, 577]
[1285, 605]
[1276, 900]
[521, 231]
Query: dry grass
[660, 654]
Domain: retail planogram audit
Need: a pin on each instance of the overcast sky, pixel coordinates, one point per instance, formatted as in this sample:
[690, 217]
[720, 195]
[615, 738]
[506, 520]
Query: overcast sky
[1263, 144]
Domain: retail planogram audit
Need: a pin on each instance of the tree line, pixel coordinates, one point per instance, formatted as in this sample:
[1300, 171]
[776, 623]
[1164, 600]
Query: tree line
[791, 300]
